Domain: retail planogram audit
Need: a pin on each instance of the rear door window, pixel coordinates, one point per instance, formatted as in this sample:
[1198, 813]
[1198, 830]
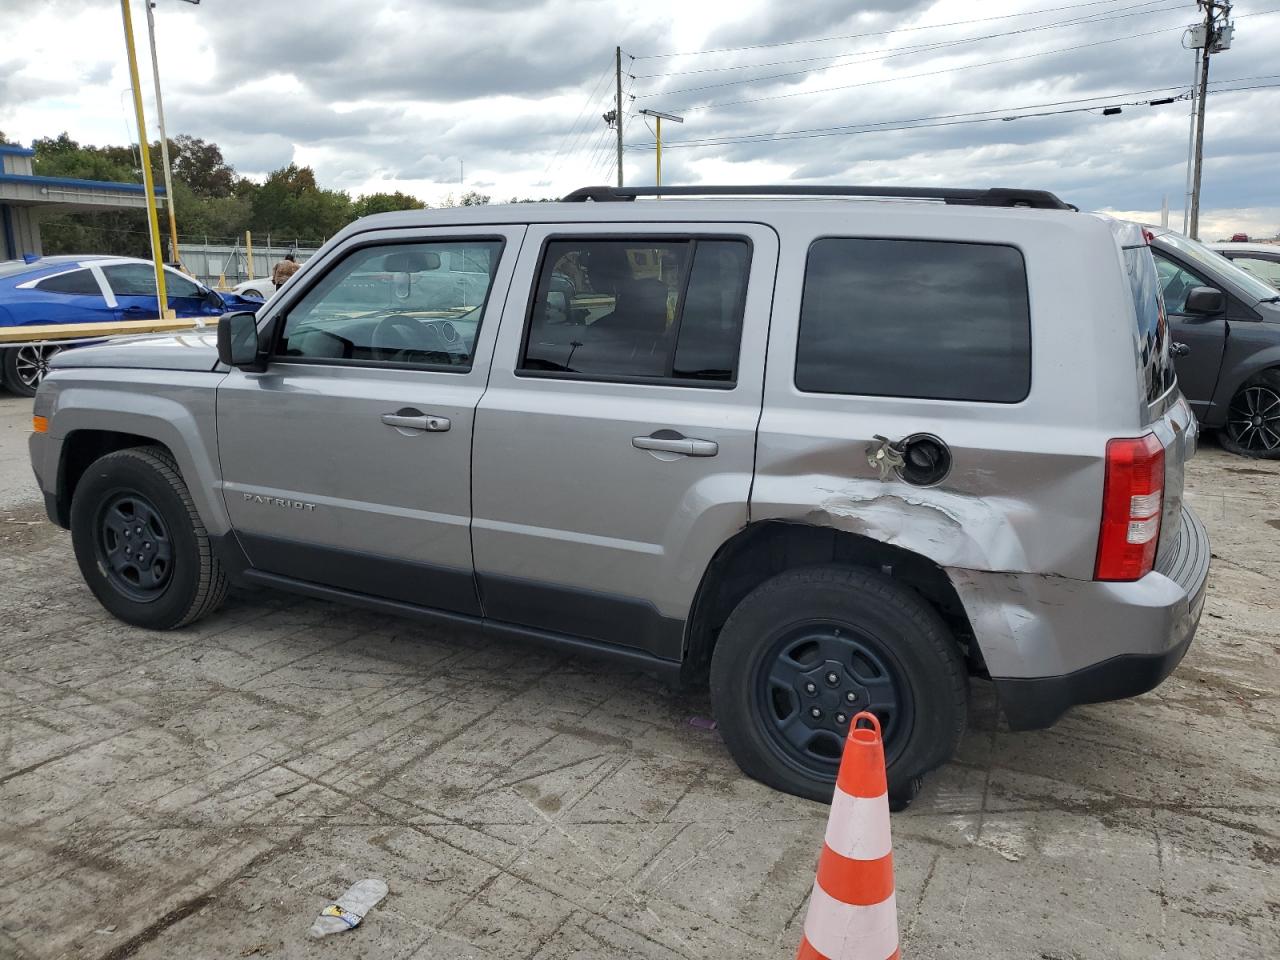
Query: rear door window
[622, 309]
[131, 279]
[915, 318]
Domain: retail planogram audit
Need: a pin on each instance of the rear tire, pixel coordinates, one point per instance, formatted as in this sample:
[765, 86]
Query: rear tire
[140, 544]
[860, 640]
[1253, 418]
[24, 367]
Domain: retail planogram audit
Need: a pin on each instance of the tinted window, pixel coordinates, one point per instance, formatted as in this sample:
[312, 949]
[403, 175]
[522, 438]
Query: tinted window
[663, 309]
[131, 279]
[1268, 270]
[915, 318]
[76, 282]
[1153, 327]
[396, 303]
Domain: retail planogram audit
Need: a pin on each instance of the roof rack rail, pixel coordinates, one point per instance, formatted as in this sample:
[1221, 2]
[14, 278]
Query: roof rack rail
[993, 197]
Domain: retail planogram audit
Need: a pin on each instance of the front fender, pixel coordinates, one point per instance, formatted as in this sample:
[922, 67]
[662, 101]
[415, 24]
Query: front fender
[174, 408]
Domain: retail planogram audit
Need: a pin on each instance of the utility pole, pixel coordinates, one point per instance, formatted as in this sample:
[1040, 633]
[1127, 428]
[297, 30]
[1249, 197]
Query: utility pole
[148, 185]
[164, 137]
[659, 117]
[617, 106]
[1217, 38]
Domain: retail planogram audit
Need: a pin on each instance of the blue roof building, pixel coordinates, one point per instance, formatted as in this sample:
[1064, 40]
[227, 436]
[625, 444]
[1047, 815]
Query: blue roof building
[25, 196]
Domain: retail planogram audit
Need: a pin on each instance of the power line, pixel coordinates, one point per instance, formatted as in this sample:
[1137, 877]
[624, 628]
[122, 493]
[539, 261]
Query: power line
[932, 73]
[874, 33]
[976, 116]
[1133, 11]
[590, 98]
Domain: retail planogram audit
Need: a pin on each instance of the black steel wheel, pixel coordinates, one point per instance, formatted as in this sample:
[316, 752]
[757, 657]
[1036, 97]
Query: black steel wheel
[25, 367]
[142, 547]
[1253, 419]
[816, 675]
[805, 651]
[134, 548]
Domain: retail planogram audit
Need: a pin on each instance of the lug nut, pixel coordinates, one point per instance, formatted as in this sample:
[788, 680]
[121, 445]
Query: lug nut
[815, 713]
[841, 718]
[127, 534]
[833, 678]
[851, 697]
[138, 530]
[810, 688]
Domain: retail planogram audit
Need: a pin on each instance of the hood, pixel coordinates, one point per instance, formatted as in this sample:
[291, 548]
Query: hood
[183, 351]
[232, 301]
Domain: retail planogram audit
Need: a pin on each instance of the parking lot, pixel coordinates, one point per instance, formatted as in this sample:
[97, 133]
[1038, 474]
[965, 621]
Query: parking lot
[205, 793]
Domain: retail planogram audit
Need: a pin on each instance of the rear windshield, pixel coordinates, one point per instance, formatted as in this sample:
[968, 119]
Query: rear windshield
[1153, 327]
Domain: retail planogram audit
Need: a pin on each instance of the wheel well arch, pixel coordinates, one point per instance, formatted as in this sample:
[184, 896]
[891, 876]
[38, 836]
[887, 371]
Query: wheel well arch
[80, 448]
[767, 548]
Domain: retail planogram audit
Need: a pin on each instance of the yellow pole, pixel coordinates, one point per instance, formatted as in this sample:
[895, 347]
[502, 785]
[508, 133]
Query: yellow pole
[248, 252]
[162, 294]
[659, 119]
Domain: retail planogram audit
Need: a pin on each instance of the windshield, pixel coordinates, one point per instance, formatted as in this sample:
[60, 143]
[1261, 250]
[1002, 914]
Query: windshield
[1215, 263]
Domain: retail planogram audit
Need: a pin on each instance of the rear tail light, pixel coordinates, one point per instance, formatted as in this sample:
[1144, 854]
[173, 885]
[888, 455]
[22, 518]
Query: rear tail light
[1132, 496]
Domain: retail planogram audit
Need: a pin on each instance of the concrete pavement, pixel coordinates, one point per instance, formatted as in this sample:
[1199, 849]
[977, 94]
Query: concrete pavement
[204, 793]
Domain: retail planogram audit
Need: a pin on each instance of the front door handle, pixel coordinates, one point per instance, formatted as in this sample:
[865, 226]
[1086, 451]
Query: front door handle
[675, 443]
[414, 420]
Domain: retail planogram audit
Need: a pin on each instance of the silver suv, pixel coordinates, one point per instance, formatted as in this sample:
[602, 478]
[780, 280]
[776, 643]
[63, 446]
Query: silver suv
[827, 454]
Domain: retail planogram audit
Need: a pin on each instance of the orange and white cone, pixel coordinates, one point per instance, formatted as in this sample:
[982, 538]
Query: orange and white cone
[852, 911]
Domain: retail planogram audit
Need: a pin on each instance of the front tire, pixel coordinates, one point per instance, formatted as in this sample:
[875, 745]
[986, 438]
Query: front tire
[140, 544]
[806, 650]
[24, 367]
[1253, 419]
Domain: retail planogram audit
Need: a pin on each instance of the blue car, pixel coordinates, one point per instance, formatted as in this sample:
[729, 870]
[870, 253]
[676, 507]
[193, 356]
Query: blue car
[90, 289]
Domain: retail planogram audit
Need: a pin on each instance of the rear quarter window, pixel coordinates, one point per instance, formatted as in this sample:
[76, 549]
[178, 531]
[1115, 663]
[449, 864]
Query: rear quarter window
[915, 318]
[1153, 326]
[76, 283]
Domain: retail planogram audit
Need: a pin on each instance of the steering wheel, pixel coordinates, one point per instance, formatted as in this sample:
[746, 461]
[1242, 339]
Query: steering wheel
[397, 335]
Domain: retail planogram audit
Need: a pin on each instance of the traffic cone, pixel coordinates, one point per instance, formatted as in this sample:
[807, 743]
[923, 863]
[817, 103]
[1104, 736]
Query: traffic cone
[852, 911]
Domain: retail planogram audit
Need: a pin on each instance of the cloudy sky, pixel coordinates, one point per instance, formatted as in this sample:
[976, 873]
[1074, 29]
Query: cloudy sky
[396, 94]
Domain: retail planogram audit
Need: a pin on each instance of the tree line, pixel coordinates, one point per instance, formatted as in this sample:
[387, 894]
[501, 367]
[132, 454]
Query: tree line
[211, 200]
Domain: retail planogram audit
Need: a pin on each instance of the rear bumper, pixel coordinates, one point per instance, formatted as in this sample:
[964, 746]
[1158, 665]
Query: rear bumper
[1051, 643]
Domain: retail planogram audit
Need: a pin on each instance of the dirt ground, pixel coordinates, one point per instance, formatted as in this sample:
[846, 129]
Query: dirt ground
[205, 793]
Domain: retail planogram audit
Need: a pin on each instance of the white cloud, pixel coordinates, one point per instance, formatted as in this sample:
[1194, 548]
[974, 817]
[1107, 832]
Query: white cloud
[392, 94]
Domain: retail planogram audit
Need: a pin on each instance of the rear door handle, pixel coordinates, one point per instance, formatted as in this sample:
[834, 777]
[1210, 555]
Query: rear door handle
[688, 446]
[417, 421]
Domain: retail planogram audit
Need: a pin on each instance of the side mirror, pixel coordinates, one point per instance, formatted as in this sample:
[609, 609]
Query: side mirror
[238, 341]
[213, 298]
[1205, 300]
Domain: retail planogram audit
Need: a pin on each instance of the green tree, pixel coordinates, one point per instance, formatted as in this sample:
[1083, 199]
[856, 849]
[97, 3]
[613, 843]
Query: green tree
[121, 232]
[292, 206]
[200, 165]
[384, 203]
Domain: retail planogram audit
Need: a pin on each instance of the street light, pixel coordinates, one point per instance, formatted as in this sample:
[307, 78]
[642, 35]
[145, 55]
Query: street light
[164, 137]
[660, 117]
[147, 183]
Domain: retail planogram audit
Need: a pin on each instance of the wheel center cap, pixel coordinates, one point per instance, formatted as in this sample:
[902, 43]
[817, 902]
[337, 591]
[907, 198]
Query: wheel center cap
[1257, 421]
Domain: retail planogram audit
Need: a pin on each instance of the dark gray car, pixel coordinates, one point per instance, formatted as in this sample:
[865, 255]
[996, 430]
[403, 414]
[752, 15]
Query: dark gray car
[1229, 321]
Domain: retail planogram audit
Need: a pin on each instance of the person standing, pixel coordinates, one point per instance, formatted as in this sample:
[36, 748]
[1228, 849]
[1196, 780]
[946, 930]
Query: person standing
[283, 270]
